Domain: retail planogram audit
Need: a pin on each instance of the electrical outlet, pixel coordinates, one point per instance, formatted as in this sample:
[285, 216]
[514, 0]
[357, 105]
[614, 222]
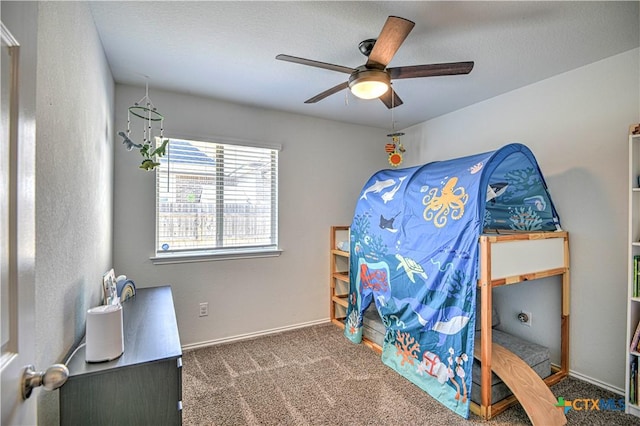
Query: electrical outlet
[204, 309]
[525, 318]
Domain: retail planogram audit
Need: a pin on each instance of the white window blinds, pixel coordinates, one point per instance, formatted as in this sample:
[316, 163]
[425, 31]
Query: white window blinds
[216, 198]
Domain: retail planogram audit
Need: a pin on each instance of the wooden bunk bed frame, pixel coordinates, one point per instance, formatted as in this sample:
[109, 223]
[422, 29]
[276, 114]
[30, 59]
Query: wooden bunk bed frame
[505, 259]
[501, 255]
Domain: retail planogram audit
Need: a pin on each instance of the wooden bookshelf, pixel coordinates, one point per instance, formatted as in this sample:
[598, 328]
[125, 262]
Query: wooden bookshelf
[338, 276]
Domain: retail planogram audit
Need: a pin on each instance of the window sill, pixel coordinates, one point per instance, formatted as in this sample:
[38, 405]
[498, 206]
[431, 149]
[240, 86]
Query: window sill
[164, 259]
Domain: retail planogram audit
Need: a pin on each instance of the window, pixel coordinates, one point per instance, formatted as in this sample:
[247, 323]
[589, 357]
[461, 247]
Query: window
[216, 199]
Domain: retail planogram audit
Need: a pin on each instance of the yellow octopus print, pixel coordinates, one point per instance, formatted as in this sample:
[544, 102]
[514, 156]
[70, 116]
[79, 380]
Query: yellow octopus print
[451, 201]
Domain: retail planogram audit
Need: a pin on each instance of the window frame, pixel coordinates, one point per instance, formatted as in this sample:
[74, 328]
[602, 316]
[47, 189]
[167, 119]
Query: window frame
[203, 255]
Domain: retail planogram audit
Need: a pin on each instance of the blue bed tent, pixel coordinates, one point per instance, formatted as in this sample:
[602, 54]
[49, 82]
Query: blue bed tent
[414, 254]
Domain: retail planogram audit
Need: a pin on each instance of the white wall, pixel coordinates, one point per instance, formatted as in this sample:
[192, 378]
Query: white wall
[323, 166]
[576, 124]
[74, 181]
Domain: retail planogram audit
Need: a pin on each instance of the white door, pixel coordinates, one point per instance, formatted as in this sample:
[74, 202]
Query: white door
[17, 209]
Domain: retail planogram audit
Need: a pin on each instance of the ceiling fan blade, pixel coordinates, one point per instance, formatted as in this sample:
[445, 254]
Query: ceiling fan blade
[317, 64]
[393, 33]
[391, 99]
[431, 70]
[329, 92]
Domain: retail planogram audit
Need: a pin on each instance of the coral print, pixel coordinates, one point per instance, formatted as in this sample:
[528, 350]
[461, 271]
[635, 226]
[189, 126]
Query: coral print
[458, 371]
[407, 347]
[525, 219]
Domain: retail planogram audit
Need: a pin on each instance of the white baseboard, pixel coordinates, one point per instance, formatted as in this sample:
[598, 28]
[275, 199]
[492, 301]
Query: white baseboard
[246, 336]
[596, 382]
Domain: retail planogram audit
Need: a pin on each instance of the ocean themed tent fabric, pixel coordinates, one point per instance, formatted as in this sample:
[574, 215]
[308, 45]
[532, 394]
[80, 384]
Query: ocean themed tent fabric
[414, 254]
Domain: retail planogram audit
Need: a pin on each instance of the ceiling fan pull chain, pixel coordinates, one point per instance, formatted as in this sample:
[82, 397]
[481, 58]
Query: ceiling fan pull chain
[393, 122]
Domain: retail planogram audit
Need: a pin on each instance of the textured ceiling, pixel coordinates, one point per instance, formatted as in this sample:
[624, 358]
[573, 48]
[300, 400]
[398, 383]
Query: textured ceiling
[226, 50]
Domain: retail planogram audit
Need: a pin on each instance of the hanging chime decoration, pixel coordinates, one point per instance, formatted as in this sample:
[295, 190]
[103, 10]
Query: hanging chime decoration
[148, 113]
[395, 148]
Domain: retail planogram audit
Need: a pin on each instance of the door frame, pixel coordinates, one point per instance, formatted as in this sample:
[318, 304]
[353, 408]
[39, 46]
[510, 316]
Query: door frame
[19, 35]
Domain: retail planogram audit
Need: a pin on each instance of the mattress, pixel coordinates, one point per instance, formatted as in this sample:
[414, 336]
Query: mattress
[536, 356]
[372, 327]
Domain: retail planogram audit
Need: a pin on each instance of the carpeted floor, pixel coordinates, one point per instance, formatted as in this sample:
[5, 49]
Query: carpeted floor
[314, 376]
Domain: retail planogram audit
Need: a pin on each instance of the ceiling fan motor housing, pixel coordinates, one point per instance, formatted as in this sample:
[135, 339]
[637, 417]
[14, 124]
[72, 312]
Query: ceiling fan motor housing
[366, 46]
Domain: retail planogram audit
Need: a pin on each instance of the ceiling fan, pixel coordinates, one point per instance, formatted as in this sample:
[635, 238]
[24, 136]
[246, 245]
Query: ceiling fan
[373, 79]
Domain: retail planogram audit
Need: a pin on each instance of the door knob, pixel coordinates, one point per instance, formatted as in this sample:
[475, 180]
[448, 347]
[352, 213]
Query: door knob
[54, 377]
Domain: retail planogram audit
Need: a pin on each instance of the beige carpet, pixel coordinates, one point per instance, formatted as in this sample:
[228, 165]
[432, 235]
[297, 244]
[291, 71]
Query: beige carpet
[315, 376]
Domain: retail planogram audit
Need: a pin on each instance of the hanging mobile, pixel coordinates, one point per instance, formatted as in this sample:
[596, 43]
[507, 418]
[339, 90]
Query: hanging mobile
[145, 110]
[395, 148]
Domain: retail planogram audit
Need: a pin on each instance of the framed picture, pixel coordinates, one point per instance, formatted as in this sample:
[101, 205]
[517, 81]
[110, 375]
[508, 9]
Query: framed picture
[109, 290]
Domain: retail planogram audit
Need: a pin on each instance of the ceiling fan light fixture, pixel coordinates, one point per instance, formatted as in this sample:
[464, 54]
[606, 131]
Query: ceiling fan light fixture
[369, 83]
